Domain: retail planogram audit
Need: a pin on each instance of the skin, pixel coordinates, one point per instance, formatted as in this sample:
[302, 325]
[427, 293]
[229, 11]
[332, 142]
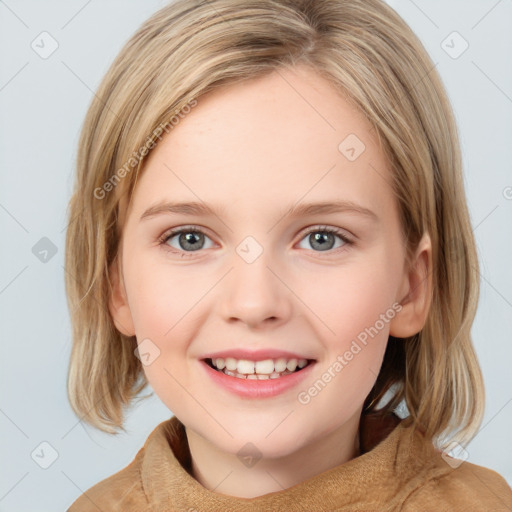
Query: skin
[254, 149]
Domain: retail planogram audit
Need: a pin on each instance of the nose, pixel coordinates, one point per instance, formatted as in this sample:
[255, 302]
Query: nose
[255, 294]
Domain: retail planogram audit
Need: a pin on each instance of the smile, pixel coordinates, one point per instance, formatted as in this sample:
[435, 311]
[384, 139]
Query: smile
[257, 370]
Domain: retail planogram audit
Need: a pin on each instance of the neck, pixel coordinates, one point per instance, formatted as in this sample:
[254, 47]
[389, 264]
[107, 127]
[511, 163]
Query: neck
[223, 472]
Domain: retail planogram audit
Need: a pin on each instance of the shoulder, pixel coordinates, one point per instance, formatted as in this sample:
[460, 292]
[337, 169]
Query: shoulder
[429, 480]
[467, 488]
[125, 490]
[149, 481]
[121, 491]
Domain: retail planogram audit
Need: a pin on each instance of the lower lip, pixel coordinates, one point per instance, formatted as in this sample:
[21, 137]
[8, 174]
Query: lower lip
[251, 388]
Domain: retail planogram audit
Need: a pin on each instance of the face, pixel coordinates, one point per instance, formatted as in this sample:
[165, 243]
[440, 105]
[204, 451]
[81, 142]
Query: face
[253, 279]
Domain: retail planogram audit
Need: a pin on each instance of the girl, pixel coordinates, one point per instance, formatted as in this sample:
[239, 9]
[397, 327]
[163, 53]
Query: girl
[269, 227]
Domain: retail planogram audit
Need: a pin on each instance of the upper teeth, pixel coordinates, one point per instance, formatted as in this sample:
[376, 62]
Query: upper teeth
[265, 367]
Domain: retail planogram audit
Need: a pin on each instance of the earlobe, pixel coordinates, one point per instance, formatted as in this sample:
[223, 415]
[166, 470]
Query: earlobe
[118, 302]
[415, 294]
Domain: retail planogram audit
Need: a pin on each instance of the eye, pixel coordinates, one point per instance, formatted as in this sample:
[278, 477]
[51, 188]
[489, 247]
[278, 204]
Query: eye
[192, 239]
[187, 240]
[323, 238]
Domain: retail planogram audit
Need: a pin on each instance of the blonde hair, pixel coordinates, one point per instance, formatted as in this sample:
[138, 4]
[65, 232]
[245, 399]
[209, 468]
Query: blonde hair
[366, 51]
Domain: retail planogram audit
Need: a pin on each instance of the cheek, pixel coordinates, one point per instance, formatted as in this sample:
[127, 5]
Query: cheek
[359, 313]
[358, 308]
[349, 299]
[162, 299]
[355, 309]
[165, 302]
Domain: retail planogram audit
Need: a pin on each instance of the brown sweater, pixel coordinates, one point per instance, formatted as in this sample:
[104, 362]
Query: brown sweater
[398, 471]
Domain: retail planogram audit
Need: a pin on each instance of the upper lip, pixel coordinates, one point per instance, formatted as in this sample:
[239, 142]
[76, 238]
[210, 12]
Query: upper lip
[254, 355]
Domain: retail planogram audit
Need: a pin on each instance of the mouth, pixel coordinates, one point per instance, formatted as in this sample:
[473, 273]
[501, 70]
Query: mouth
[258, 370]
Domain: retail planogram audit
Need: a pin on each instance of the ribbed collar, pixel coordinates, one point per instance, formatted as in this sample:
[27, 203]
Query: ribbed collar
[390, 467]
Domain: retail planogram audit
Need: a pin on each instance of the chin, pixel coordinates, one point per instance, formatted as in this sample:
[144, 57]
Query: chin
[271, 439]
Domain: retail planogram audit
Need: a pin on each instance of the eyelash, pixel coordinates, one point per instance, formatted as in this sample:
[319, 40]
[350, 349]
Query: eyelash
[193, 229]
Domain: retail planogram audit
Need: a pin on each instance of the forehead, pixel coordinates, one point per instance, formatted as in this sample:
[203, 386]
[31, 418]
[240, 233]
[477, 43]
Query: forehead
[289, 133]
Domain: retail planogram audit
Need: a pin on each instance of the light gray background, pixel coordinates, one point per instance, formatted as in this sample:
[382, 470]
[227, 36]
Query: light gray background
[42, 105]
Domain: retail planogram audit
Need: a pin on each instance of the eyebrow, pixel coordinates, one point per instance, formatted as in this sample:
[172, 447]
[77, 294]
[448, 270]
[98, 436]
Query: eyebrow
[296, 210]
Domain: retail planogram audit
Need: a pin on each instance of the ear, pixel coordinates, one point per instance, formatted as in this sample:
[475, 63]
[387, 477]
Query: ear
[118, 302]
[415, 293]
